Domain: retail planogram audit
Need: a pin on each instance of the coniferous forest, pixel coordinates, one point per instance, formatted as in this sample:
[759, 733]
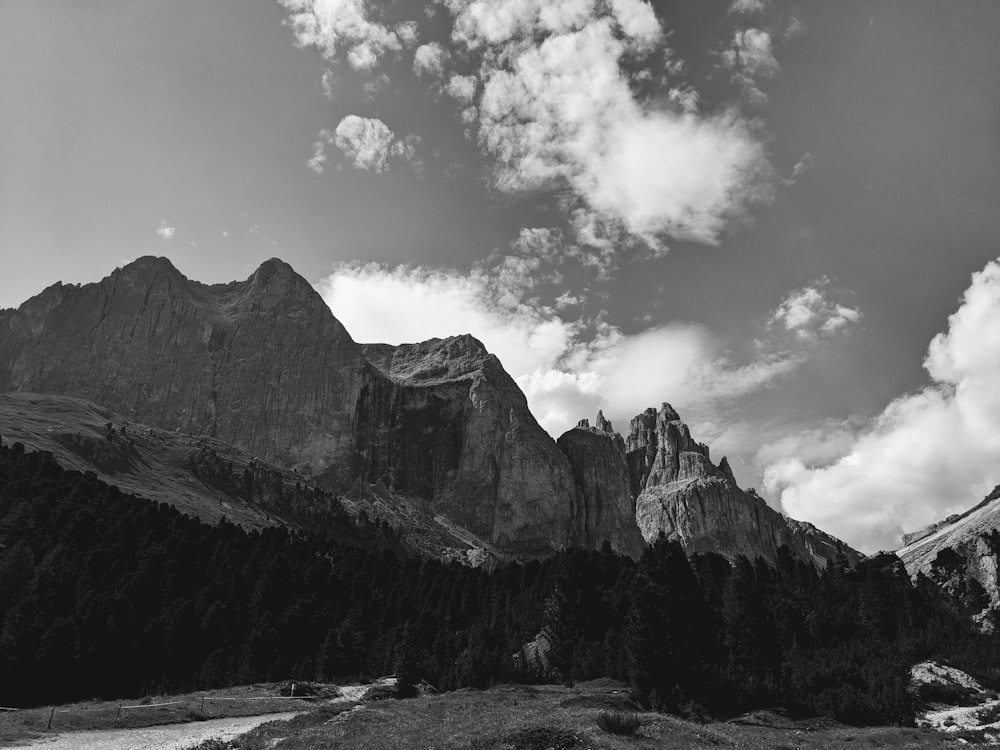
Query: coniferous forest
[103, 594]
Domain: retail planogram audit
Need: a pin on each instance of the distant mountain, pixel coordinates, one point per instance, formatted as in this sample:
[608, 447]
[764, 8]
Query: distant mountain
[434, 434]
[961, 549]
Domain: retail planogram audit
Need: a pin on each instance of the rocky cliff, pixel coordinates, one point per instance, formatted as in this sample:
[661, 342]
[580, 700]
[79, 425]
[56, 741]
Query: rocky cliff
[263, 365]
[962, 549]
[259, 364]
[679, 492]
[597, 456]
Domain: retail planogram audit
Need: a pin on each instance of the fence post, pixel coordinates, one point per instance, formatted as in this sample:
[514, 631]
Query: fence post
[203, 704]
[119, 710]
[49, 725]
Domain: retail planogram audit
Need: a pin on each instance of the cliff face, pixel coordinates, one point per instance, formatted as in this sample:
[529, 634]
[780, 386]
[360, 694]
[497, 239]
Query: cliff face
[445, 421]
[597, 456]
[679, 492]
[263, 365]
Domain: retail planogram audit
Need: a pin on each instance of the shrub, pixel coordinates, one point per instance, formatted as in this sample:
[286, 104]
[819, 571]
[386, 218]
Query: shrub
[618, 722]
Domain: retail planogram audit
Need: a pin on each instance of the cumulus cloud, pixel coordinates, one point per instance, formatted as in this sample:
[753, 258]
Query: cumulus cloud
[567, 368]
[366, 142]
[556, 108]
[165, 232]
[928, 454]
[462, 88]
[548, 89]
[813, 311]
[429, 59]
[333, 26]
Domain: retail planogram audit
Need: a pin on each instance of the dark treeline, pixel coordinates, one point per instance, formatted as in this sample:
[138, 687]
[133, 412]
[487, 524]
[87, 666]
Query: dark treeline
[103, 595]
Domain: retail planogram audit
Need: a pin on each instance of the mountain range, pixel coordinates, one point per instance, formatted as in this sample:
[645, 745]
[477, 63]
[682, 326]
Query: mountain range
[434, 439]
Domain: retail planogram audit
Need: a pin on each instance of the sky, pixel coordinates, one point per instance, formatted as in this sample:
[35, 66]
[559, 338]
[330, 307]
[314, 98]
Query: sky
[780, 217]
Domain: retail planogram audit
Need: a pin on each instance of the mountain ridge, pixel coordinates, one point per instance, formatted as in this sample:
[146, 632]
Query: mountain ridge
[262, 364]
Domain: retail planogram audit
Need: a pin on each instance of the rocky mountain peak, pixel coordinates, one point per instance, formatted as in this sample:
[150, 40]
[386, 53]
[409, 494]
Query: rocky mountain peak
[660, 450]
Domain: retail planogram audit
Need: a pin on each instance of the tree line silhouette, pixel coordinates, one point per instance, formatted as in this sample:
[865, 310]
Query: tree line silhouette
[103, 594]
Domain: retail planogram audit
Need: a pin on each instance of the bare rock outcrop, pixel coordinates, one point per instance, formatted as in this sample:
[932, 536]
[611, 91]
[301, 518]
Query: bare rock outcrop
[447, 422]
[597, 456]
[683, 495]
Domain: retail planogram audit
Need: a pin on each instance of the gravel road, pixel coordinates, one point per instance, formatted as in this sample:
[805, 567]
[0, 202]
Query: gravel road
[167, 737]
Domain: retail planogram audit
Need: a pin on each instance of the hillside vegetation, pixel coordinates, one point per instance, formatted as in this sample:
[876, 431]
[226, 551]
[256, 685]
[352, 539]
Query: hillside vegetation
[120, 596]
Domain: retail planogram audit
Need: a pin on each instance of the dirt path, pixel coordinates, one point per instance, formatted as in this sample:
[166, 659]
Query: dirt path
[168, 737]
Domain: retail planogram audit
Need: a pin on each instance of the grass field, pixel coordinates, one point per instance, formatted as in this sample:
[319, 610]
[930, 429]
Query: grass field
[541, 717]
[507, 717]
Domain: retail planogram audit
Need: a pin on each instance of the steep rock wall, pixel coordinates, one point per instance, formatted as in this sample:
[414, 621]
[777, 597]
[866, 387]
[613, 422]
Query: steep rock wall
[683, 495]
[597, 457]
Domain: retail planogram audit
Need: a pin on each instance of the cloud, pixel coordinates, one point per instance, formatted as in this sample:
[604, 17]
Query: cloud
[928, 454]
[429, 59]
[747, 7]
[549, 90]
[562, 112]
[165, 232]
[751, 60]
[802, 167]
[318, 161]
[567, 368]
[333, 26]
[812, 311]
[462, 88]
[555, 109]
[366, 142]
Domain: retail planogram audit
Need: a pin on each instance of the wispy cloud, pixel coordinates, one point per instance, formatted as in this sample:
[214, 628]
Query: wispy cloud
[164, 231]
[750, 58]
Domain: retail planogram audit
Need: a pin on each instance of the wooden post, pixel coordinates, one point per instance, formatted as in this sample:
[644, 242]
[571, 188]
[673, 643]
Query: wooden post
[49, 725]
[119, 710]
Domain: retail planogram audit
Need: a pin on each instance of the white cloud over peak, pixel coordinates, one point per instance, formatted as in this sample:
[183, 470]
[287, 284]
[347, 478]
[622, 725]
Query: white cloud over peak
[165, 232]
[813, 311]
[928, 454]
[366, 142]
[333, 26]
